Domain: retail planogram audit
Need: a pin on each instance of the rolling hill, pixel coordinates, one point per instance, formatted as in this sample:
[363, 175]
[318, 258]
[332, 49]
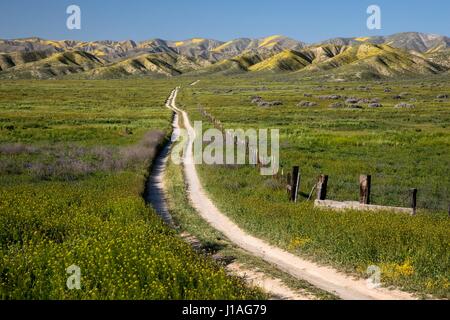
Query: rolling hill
[105, 49]
[11, 60]
[402, 54]
[410, 41]
[365, 59]
[210, 49]
[291, 60]
[375, 61]
[149, 64]
[57, 65]
[224, 67]
[441, 57]
[288, 60]
[197, 47]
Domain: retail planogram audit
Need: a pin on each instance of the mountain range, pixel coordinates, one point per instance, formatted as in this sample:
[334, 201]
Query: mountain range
[402, 54]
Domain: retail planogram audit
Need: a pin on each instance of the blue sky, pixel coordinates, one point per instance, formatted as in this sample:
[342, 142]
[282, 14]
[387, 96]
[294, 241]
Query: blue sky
[308, 21]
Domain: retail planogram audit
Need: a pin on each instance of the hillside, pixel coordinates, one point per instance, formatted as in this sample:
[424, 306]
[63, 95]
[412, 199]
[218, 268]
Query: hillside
[224, 67]
[197, 47]
[288, 60]
[214, 49]
[291, 60]
[107, 48]
[376, 61]
[57, 65]
[163, 64]
[10, 60]
[420, 42]
[441, 57]
[348, 61]
[210, 49]
[402, 54]
[411, 41]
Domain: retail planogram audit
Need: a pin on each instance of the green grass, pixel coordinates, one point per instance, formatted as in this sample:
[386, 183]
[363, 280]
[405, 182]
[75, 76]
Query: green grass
[74, 156]
[103, 226]
[74, 160]
[400, 148]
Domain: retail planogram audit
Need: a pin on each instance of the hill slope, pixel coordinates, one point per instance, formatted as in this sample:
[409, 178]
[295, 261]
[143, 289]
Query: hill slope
[375, 61]
[371, 60]
[10, 60]
[411, 41]
[288, 60]
[441, 57]
[150, 64]
[210, 49]
[291, 60]
[403, 54]
[57, 65]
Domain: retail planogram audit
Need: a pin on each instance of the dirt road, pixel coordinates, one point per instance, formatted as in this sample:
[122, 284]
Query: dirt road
[323, 277]
[156, 196]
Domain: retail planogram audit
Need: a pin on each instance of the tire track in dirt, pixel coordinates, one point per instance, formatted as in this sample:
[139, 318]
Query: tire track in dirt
[323, 277]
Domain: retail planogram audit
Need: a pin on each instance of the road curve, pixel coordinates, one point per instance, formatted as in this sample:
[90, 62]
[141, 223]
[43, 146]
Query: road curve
[325, 278]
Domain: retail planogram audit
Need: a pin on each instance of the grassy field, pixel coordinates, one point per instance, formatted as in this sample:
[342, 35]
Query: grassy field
[401, 147]
[214, 243]
[74, 157]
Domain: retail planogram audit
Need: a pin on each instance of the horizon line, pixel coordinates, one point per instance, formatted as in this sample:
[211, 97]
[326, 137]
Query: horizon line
[224, 41]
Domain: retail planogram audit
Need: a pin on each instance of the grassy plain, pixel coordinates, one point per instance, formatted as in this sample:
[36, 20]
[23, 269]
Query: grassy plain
[401, 148]
[213, 243]
[74, 157]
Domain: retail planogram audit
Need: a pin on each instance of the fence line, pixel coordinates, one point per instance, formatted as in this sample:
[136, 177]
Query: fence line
[293, 182]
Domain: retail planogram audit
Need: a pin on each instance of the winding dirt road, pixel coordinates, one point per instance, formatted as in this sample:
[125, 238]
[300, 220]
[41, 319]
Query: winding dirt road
[325, 278]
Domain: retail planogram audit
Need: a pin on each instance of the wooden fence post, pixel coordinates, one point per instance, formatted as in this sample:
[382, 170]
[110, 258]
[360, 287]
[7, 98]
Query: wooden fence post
[364, 188]
[288, 184]
[414, 201]
[295, 183]
[258, 162]
[322, 187]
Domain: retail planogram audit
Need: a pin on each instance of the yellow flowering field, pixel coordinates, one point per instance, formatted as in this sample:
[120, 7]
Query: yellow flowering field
[74, 157]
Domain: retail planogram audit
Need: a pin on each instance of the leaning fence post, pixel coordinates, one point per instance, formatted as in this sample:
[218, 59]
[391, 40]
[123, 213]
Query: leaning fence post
[414, 201]
[322, 187]
[364, 188]
[295, 183]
